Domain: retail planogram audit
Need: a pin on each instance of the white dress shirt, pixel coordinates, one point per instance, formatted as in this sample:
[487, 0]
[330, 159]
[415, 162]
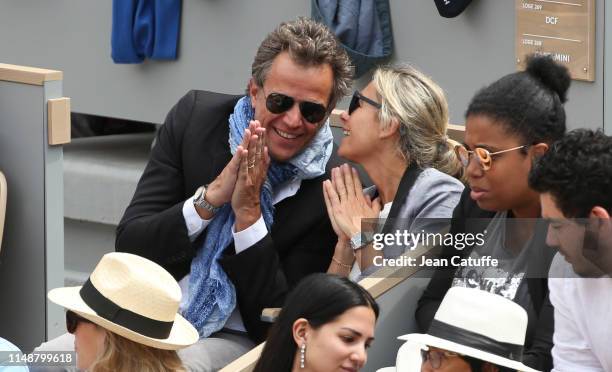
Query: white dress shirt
[243, 240]
[583, 320]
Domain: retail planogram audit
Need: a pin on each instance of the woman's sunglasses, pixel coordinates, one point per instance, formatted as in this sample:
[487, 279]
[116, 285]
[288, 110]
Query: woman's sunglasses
[312, 112]
[73, 320]
[354, 105]
[437, 357]
[483, 156]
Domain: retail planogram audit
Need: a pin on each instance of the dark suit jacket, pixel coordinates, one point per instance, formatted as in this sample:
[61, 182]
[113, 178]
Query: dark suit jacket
[469, 218]
[191, 149]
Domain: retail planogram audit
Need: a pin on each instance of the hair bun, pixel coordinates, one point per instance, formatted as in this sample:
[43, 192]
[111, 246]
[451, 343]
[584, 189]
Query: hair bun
[553, 75]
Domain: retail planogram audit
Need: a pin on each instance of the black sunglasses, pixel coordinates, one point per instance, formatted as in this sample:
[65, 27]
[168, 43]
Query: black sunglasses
[359, 97]
[277, 103]
[73, 320]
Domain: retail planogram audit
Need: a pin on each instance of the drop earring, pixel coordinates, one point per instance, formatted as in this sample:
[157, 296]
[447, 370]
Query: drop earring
[302, 354]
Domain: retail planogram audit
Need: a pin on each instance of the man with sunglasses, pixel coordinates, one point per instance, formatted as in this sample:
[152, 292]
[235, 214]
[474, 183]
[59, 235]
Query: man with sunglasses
[573, 178]
[239, 225]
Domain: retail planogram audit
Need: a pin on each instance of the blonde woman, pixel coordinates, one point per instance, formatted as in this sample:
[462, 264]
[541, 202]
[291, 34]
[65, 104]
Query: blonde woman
[395, 129]
[124, 318]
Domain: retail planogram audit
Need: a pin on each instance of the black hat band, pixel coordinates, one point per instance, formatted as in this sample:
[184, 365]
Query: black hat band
[475, 340]
[110, 311]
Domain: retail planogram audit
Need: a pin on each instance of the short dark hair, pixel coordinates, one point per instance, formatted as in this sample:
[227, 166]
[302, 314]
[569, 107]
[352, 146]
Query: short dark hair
[527, 103]
[319, 298]
[576, 171]
[309, 43]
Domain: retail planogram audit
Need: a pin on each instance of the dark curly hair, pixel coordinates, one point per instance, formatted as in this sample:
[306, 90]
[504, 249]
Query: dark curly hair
[577, 172]
[527, 103]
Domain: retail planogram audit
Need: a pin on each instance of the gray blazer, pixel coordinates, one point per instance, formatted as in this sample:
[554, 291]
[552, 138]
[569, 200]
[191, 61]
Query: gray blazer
[426, 206]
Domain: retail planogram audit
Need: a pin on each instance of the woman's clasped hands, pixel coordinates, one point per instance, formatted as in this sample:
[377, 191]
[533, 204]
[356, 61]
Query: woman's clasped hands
[347, 206]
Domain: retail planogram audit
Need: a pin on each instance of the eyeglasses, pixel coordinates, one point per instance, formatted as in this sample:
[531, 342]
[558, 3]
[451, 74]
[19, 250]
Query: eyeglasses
[483, 156]
[313, 112]
[73, 320]
[436, 357]
[354, 105]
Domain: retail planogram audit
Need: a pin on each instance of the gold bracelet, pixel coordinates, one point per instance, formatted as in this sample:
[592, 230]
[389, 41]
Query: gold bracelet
[341, 264]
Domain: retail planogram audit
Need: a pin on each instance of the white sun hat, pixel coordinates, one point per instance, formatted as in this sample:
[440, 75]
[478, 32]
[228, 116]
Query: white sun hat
[134, 298]
[480, 325]
[408, 359]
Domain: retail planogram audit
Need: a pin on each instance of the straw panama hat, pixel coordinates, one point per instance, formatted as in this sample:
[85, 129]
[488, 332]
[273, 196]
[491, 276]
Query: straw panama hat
[134, 298]
[480, 325]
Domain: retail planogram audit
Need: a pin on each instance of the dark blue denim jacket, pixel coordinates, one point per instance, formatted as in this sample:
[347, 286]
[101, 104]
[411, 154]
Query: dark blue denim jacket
[362, 26]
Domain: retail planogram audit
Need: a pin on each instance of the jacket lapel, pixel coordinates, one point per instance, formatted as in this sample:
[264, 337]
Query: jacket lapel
[408, 179]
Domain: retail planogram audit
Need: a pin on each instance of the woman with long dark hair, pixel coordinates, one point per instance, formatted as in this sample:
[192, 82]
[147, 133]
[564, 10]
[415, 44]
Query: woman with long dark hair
[327, 324]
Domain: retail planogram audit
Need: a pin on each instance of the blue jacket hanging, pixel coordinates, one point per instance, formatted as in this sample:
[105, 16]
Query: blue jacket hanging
[362, 26]
[145, 29]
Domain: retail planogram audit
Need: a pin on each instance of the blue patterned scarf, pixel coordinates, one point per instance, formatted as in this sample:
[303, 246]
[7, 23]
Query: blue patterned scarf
[212, 296]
